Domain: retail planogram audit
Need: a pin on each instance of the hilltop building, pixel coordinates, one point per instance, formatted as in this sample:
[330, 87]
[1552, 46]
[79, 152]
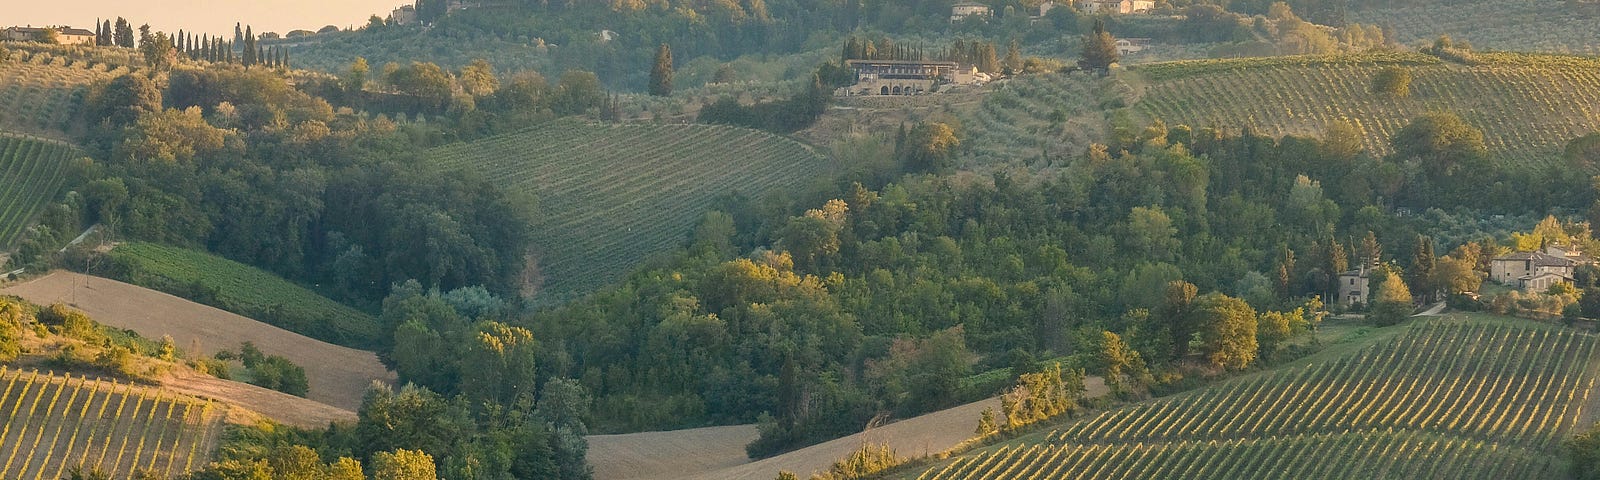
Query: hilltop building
[1044, 8]
[908, 77]
[405, 15]
[961, 10]
[1122, 7]
[64, 35]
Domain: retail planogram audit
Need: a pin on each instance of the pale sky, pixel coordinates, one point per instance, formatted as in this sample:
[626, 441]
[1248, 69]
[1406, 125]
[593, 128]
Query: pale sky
[215, 17]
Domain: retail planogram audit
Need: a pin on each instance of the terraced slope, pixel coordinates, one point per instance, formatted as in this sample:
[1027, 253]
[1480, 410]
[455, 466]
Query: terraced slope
[40, 93]
[53, 423]
[613, 195]
[30, 176]
[1447, 399]
[1528, 107]
[1551, 26]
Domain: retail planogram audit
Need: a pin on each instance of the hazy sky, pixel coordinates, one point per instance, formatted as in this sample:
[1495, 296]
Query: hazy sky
[201, 16]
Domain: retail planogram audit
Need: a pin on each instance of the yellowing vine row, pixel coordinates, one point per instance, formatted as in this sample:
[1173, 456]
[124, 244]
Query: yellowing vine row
[1444, 400]
[610, 196]
[54, 423]
[1528, 107]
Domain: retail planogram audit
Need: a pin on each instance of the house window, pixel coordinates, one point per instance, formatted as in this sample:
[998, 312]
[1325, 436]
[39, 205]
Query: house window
[1352, 282]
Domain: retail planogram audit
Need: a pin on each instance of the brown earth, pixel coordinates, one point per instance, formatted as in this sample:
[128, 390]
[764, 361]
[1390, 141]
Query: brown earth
[338, 375]
[717, 453]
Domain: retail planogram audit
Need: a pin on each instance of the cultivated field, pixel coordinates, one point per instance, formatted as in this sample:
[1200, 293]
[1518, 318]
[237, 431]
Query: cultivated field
[40, 93]
[1450, 398]
[1551, 26]
[1527, 106]
[613, 195]
[338, 376]
[52, 423]
[245, 290]
[1034, 118]
[30, 176]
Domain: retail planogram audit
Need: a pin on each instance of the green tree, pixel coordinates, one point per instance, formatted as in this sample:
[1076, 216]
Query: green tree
[424, 80]
[1099, 49]
[1013, 60]
[1582, 453]
[120, 102]
[661, 72]
[1150, 232]
[1583, 153]
[1177, 310]
[355, 78]
[403, 464]
[122, 35]
[1394, 82]
[1441, 143]
[986, 423]
[1424, 268]
[1227, 330]
[498, 364]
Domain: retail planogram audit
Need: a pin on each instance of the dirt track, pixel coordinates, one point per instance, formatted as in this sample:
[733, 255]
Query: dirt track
[338, 375]
[717, 453]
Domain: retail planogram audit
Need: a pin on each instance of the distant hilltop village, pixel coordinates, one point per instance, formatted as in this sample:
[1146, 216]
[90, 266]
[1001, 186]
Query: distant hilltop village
[63, 35]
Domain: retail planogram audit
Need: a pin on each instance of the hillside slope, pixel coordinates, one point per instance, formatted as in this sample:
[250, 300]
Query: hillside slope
[1460, 397]
[1551, 26]
[338, 375]
[52, 423]
[30, 176]
[40, 93]
[1527, 106]
[611, 196]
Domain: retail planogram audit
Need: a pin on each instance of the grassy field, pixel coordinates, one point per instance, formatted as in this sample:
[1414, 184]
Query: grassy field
[40, 93]
[245, 290]
[1551, 26]
[1459, 397]
[30, 176]
[1528, 106]
[53, 423]
[611, 196]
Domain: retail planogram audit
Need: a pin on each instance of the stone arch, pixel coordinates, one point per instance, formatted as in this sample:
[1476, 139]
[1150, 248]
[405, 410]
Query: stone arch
[896, 90]
[885, 90]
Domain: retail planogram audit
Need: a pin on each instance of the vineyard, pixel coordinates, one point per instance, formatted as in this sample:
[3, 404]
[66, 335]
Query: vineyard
[611, 196]
[1541, 26]
[1446, 399]
[1528, 106]
[40, 93]
[243, 289]
[54, 423]
[30, 176]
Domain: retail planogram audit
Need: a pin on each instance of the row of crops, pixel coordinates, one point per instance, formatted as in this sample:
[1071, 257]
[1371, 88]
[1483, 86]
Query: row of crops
[54, 423]
[1543, 26]
[40, 94]
[1033, 117]
[611, 196]
[30, 176]
[1446, 399]
[245, 290]
[1527, 109]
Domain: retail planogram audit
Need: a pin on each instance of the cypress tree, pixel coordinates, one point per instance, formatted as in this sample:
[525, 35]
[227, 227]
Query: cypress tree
[661, 73]
[1099, 49]
[123, 35]
[228, 49]
[250, 53]
[238, 34]
[261, 54]
[97, 31]
[181, 41]
[104, 39]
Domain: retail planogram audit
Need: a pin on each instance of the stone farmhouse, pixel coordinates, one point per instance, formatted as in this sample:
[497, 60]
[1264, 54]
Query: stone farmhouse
[1353, 286]
[64, 35]
[1122, 7]
[961, 10]
[1536, 271]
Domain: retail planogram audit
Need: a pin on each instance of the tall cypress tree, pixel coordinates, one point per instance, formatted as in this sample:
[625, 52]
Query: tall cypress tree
[238, 34]
[97, 31]
[661, 73]
[122, 36]
[1099, 49]
[250, 56]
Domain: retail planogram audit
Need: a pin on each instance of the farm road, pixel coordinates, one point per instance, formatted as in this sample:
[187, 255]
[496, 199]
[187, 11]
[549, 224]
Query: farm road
[717, 453]
[338, 375]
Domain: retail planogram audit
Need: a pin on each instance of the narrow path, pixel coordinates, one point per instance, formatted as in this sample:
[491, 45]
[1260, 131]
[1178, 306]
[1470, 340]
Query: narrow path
[1432, 311]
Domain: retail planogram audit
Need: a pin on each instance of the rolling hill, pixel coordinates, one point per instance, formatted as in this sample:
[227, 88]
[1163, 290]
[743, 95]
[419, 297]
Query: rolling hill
[1455, 398]
[1528, 106]
[30, 176]
[611, 196]
[245, 290]
[40, 93]
[1551, 26]
[53, 423]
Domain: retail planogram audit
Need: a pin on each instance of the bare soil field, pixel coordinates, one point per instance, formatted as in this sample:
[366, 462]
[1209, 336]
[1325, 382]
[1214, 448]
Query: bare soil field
[717, 453]
[337, 375]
